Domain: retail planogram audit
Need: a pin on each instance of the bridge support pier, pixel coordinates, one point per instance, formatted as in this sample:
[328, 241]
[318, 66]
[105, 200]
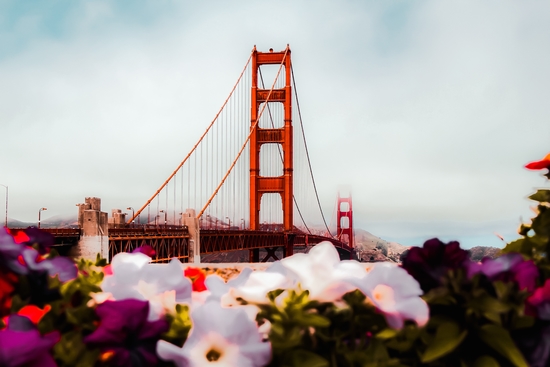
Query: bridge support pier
[254, 255]
[289, 245]
[190, 220]
[95, 231]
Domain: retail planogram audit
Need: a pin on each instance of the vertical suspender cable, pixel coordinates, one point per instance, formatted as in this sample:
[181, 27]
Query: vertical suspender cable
[306, 150]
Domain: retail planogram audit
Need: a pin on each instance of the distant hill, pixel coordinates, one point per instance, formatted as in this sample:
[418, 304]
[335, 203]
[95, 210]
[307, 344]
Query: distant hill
[57, 221]
[479, 252]
[371, 248]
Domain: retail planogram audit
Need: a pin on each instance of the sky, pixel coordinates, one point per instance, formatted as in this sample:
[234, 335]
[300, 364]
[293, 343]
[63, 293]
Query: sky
[426, 111]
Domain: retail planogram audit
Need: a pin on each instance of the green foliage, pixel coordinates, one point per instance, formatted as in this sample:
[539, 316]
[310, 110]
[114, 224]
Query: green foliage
[180, 325]
[310, 333]
[535, 241]
[73, 317]
[470, 321]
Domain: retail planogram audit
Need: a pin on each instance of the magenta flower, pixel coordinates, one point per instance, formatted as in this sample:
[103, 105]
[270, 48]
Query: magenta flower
[508, 268]
[21, 345]
[428, 264]
[124, 335]
[540, 301]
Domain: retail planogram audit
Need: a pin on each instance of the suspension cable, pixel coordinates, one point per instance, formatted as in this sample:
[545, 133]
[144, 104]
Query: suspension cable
[196, 145]
[252, 130]
[282, 159]
[307, 152]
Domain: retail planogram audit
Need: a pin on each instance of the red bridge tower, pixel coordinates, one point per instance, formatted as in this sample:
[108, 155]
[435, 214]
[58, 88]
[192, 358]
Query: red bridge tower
[282, 184]
[344, 220]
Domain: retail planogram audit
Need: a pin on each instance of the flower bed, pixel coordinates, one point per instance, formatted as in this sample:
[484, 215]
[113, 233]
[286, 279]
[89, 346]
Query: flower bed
[437, 309]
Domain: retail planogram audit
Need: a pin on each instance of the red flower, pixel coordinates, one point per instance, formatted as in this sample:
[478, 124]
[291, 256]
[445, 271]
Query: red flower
[542, 164]
[108, 269]
[7, 282]
[34, 313]
[197, 277]
[19, 235]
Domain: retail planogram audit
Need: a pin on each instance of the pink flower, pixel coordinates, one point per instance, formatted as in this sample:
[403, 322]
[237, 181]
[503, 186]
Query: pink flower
[396, 294]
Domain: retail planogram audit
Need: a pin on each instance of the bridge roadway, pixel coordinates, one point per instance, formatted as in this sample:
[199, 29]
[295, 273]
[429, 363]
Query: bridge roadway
[173, 241]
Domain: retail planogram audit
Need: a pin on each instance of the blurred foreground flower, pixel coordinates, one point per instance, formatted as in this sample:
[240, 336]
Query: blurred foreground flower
[323, 274]
[133, 277]
[223, 337]
[21, 345]
[197, 277]
[429, 263]
[509, 267]
[396, 294]
[124, 335]
[540, 300]
[542, 164]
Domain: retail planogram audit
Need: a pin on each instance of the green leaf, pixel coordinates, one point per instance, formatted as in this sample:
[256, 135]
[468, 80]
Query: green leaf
[447, 337]
[541, 196]
[387, 333]
[514, 246]
[485, 361]
[274, 294]
[499, 339]
[311, 319]
[304, 358]
[541, 223]
[486, 303]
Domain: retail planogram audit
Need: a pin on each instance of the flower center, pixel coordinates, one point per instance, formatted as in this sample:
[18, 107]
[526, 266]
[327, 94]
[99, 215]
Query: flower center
[213, 355]
[383, 294]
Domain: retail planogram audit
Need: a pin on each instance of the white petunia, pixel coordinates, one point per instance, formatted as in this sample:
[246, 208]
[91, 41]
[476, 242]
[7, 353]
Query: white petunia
[396, 293]
[323, 274]
[221, 337]
[161, 284]
[219, 288]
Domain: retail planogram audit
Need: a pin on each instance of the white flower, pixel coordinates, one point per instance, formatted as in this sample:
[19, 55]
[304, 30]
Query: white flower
[258, 284]
[221, 337]
[161, 284]
[218, 287]
[396, 293]
[323, 274]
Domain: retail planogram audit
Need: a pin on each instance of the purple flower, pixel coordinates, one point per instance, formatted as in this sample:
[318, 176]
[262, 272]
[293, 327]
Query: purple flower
[43, 239]
[507, 268]
[124, 335]
[10, 252]
[22, 259]
[22, 345]
[63, 267]
[428, 264]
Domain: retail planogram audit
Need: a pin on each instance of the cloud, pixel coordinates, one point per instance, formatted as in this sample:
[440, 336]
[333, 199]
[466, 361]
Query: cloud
[427, 111]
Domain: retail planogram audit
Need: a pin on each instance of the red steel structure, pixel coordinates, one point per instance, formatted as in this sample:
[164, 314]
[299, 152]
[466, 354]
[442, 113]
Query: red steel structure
[282, 185]
[344, 220]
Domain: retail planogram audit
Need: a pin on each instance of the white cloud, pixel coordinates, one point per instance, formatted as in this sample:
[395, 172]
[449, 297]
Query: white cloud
[427, 111]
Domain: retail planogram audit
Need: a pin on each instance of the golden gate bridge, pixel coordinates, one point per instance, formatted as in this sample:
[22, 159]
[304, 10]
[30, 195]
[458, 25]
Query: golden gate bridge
[248, 179]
